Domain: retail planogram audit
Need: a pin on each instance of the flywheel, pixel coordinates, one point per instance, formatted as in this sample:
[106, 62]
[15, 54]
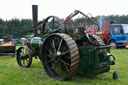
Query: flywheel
[60, 56]
[51, 24]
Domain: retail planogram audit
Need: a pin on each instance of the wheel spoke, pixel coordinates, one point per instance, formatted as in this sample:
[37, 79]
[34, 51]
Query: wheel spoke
[53, 65]
[52, 59]
[24, 62]
[67, 57]
[64, 53]
[53, 23]
[60, 45]
[49, 29]
[64, 62]
[67, 69]
[59, 68]
[50, 52]
[65, 48]
[53, 45]
[56, 61]
[50, 55]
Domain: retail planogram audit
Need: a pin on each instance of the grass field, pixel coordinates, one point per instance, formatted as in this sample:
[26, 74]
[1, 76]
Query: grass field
[12, 74]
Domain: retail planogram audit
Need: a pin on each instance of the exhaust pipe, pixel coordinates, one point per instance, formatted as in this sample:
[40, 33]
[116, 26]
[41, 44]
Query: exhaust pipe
[35, 14]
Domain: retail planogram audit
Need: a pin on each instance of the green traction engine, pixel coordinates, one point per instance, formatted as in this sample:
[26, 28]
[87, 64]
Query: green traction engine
[65, 52]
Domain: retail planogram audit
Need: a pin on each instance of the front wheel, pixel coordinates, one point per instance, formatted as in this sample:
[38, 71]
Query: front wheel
[24, 57]
[113, 44]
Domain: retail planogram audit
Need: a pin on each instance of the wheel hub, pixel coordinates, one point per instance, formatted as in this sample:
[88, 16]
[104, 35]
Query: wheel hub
[58, 53]
[24, 57]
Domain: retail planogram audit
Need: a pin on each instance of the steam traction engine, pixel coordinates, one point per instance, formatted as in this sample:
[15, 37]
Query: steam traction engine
[64, 52]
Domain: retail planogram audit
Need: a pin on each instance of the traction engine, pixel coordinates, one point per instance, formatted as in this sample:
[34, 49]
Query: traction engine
[65, 51]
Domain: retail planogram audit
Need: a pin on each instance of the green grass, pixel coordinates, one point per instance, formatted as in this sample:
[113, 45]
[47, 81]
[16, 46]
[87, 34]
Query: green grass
[12, 74]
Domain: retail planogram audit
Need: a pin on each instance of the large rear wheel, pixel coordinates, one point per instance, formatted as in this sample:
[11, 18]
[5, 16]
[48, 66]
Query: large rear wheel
[60, 56]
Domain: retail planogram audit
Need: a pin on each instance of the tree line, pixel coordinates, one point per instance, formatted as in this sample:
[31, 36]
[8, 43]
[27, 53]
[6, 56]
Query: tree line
[19, 28]
[15, 27]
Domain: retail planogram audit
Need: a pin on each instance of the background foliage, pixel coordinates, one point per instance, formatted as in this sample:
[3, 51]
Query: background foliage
[19, 28]
[15, 27]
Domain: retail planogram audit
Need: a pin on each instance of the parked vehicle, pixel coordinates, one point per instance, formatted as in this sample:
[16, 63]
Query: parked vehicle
[7, 47]
[115, 34]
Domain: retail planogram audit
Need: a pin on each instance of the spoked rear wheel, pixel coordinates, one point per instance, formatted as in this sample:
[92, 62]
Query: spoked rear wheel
[60, 56]
[24, 57]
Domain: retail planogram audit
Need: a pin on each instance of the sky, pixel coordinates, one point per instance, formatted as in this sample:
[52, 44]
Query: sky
[22, 9]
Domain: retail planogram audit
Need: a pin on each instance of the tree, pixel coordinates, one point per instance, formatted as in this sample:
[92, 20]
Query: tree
[3, 28]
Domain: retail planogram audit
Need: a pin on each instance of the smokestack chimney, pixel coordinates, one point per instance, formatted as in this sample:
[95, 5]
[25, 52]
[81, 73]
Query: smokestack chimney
[35, 14]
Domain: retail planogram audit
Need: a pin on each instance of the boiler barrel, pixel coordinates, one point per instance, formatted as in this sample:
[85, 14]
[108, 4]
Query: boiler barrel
[34, 43]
